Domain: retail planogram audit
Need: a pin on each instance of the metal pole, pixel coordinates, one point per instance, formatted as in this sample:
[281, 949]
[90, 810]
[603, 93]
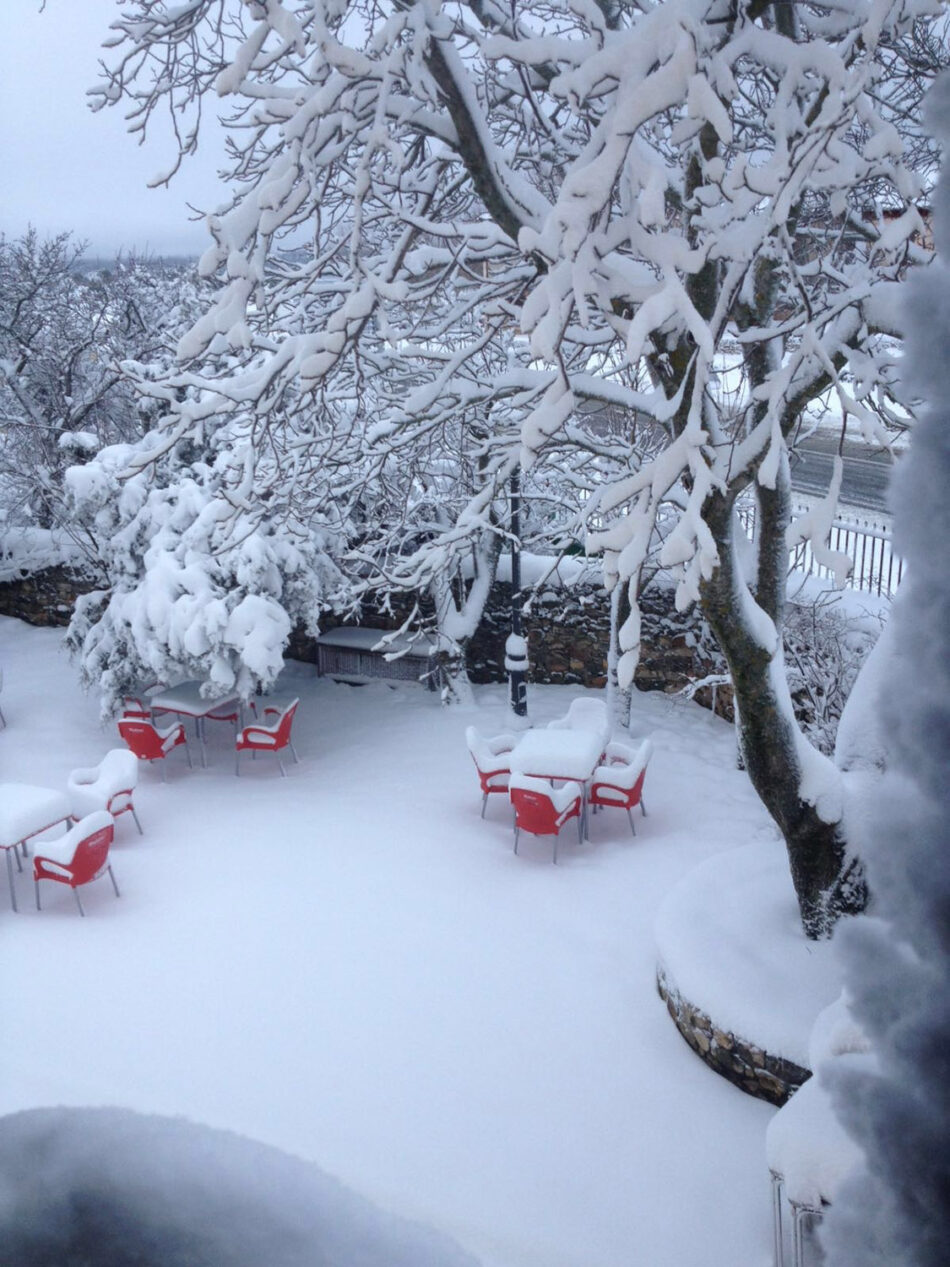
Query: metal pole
[517, 677]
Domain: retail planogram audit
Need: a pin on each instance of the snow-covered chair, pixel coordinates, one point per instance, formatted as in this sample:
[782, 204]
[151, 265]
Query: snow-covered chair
[136, 706]
[542, 810]
[273, 737]
[150, 742]
[808, 1151]
[108, 785]
[585, 714]
[77, 858]
[491, 761]
[618, 783]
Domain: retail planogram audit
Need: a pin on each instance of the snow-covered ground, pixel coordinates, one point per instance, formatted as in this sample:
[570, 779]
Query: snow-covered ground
[351, 965]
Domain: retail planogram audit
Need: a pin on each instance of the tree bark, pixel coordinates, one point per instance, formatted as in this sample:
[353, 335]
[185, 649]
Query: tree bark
[828, 880]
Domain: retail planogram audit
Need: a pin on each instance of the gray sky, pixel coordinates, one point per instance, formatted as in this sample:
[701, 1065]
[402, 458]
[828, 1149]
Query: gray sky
[63, 167]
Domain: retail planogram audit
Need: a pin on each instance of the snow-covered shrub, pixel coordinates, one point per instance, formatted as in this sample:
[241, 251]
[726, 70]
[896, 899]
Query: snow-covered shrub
[825, 648]
[195, 589]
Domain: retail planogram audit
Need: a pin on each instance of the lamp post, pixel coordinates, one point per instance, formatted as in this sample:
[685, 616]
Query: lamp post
[516, 646]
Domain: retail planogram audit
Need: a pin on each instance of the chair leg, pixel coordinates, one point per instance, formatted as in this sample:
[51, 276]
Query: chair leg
[136, 817]
[555, 848]
[580, 828]
[36, 887]
[643, 807]
[112, 878]
[237, 763]
[294, 751]
[162, 768]
[78, 903]
[484, 802]
[517, 833]
[630, 820]
[283, 772]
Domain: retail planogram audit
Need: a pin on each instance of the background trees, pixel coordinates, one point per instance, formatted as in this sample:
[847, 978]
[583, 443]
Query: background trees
[696, 212]
[65, 331]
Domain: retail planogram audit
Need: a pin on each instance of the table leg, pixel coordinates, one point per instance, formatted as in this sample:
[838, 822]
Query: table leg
[10, 879]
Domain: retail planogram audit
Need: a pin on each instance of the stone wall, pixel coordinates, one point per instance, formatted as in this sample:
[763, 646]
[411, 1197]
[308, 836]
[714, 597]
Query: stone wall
[46, 597]
[568, 631]
[741, 1062]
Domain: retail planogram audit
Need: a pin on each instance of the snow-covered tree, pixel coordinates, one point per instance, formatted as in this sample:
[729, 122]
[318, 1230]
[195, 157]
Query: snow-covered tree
[896, 1213]
[204, 578]
[697, 212]
[64, 333]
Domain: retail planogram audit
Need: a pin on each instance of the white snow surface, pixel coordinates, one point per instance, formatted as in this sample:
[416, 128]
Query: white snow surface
[355, 968]
[730, 939]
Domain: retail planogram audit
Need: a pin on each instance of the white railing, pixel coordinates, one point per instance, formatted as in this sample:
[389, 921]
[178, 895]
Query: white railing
[875, 568]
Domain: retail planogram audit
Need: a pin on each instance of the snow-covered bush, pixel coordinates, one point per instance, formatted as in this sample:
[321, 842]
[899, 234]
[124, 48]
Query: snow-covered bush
[826, 645]
[195, 590]
[896, 1213]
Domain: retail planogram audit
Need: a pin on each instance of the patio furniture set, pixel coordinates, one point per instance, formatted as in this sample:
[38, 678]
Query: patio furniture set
[561, 773]
[96, 796]
[93, 800]
[139, 724]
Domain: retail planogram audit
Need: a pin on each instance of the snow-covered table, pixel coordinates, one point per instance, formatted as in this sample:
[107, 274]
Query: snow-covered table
[557, 754]
[560, 755]
[25, 811]
[186, 700]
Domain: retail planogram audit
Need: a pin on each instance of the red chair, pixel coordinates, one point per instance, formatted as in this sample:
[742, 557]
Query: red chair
[490, 756]
[137, 706]
[108, 785]
[149, 743]
[273, 738]
[77, 858]
[543, 810]
[619, 783]
[585, 714]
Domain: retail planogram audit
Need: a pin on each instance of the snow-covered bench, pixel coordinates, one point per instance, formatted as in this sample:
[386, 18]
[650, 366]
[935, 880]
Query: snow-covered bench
[357, 654]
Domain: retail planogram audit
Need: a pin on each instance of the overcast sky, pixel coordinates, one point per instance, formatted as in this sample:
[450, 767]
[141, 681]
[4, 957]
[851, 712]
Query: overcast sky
[63, 167]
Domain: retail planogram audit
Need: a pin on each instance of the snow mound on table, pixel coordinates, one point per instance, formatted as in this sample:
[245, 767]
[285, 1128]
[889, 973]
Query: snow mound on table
[119, 1188]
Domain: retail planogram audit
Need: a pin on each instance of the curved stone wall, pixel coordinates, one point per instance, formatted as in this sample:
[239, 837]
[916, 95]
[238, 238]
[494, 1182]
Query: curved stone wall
[738, 1060]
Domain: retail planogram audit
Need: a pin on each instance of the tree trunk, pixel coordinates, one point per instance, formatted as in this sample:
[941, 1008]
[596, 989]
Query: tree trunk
[828, 880]
[619, 699]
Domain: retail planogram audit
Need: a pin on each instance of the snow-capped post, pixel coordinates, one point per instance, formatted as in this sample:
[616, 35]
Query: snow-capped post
[516, 646]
